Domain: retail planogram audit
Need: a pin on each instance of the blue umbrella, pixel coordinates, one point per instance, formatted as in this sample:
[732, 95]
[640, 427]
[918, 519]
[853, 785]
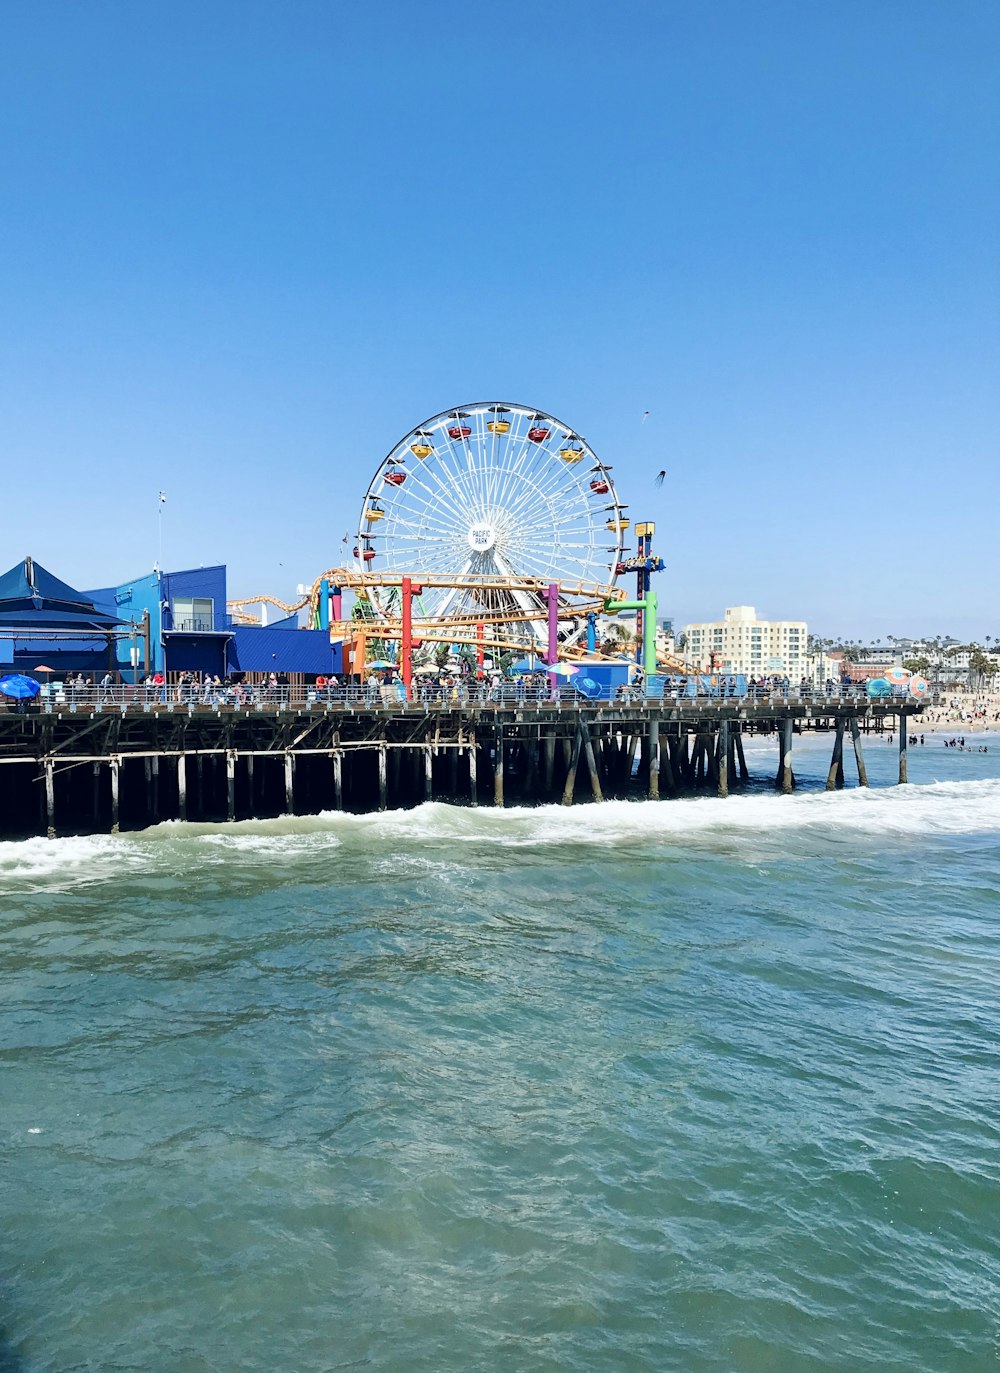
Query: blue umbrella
[18, 687]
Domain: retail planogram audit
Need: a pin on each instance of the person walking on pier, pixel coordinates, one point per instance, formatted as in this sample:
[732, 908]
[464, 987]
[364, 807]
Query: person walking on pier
[107, 689]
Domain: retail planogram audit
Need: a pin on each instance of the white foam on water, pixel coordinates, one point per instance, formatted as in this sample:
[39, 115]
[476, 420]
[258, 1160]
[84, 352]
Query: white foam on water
[945, 808]
[54, 862]
[259, 846]
[910, 812]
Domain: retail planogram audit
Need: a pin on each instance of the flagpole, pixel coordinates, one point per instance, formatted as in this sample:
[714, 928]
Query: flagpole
[159, 520]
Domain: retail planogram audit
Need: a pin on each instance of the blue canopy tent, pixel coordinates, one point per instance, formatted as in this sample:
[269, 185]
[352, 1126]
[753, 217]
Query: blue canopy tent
[39, 614]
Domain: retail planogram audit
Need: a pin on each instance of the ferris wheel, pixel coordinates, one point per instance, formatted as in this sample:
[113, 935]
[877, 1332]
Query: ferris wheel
[488, 497]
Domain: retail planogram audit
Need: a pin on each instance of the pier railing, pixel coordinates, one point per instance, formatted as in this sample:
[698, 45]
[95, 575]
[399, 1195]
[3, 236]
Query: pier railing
[423, 696]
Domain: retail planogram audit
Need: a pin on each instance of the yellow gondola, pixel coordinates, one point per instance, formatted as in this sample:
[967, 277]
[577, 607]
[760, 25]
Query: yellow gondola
[373, 513]
[421, 449]
[571, 454]
[498, 426]
[618, 526]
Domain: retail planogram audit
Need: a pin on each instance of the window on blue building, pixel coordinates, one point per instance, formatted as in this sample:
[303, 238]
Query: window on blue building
[193, 614]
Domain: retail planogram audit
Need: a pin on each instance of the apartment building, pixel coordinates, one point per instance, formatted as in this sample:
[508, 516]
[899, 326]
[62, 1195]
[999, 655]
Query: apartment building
[740, 642]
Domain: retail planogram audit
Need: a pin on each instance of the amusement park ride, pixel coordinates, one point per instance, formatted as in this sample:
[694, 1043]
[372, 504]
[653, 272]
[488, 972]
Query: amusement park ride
[493, 526]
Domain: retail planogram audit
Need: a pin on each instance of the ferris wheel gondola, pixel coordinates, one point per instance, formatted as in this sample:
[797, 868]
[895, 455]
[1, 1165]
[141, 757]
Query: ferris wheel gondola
[491, 494]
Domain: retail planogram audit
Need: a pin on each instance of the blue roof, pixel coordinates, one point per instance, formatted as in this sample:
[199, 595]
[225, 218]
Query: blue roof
[31, 596]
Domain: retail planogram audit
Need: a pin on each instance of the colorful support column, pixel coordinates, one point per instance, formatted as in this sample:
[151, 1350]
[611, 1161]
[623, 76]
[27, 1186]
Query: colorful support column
[480, 645]
[591, 632]
[552, 653]
[643, 542]
[406, 641]
[323, 609]
[649, 635]
[648, 606]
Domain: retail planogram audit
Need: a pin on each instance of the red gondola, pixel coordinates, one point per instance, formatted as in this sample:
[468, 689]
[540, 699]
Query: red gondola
[459, 431]
[599, 488]
[538, 433]
[357, 552]
[368, 554]
[395, 477]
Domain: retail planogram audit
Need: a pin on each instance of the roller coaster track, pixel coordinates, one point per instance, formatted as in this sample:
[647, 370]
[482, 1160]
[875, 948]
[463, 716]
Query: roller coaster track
[590, 598]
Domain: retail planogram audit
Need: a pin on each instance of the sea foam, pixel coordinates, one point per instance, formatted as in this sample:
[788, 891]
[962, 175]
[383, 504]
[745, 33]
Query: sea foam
[907, 813]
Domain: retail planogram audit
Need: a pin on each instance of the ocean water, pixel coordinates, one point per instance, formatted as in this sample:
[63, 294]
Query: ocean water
[697, 1085]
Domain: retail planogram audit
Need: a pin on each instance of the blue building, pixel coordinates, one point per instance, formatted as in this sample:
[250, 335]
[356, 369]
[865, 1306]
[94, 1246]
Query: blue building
[167, 622]
[188, 625]
[191, 631]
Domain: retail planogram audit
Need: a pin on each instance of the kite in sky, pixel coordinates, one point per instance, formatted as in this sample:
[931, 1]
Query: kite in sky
[660, 476]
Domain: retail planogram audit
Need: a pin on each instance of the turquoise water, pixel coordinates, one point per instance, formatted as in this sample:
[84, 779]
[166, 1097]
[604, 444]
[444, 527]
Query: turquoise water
[703, 1085]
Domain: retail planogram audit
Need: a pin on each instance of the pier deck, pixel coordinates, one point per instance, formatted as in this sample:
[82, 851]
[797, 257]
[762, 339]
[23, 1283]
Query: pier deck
[100, 768]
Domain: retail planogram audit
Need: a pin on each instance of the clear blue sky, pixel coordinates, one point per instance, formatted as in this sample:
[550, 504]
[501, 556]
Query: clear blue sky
[244, 247]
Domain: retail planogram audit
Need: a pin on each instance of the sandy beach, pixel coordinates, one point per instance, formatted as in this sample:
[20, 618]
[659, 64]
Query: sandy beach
[960, 712]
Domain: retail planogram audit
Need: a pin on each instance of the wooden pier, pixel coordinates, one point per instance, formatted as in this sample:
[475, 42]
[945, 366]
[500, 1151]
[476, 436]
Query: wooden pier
[107, 768]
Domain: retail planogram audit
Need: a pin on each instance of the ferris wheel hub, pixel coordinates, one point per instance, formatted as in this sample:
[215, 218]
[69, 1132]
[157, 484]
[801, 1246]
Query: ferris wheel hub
[482, 537]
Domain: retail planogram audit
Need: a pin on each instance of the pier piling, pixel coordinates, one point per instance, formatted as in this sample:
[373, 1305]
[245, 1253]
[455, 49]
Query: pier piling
[50, 799]
[570, 784]
[722, 753]
[653, 751]
[588, 749]
[835, 777]
[115, 765]
[787, 773]
[859, 756]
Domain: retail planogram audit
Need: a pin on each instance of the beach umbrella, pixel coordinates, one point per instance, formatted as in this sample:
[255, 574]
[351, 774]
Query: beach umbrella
[563, 669]
[42, 668]
[589, 687]
[380, 665]
[427, 670]
[897, 676]
[19, 687]
[878, 686]
[919, 686]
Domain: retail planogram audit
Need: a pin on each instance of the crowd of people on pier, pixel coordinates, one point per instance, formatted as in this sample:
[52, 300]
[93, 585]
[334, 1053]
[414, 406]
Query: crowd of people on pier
[467, 683]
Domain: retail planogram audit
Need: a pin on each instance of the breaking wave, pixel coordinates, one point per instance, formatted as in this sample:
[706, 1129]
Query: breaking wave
[940, 809]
